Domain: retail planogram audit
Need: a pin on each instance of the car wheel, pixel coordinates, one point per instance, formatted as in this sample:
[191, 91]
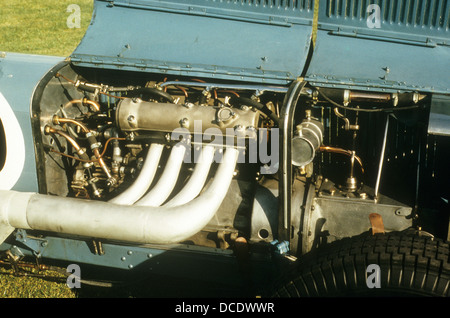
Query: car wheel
[390, 264]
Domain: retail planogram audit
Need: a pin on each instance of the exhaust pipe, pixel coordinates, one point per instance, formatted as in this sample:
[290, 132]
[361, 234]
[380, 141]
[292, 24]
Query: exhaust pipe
[144, 179]
[161, 191]
[110, 221]
[197, 179]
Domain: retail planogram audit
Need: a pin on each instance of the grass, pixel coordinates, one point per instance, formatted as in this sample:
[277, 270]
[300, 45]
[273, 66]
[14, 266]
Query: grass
[40, 27]
[27, 285]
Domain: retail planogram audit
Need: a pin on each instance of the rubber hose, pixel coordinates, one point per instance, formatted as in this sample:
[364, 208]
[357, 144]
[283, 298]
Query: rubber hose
[257, 105]
[152, 91]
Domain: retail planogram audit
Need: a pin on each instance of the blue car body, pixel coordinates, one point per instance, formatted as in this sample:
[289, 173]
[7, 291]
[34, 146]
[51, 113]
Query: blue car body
[380, 55]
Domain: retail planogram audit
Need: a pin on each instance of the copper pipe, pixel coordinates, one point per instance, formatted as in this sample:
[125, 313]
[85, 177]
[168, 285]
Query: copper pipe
[165, 88]
[72, 157]
[74, 101]
[85, 102]
[97, 154]
[107, 142]
[67, 79]
[364, 96]
[93, 160]
[343, 152]
[177, 87]
[80, 151]
[102, 163]
[112, 96]
[232, 92]
[58, 120]
[183, 90]
[92, 103]
[50, 130]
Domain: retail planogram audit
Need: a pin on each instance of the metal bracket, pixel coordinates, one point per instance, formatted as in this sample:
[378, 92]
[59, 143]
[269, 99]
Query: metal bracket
[377, 223]
[34, 243]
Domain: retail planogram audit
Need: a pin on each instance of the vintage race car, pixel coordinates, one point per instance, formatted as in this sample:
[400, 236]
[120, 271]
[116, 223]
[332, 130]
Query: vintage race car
[285, 148]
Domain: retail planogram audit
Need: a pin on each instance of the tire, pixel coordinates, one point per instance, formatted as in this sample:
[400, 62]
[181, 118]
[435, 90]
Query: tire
[409, 265]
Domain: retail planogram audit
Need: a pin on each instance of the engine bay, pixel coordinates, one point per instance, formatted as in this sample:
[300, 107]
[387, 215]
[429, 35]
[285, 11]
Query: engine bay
[150, 140]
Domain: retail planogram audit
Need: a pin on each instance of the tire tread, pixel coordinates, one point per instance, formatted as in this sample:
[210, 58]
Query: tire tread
[408, 262]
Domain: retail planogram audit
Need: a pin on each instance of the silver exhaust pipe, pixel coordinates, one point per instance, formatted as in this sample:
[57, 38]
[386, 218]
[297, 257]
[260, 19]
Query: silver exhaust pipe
[109, 221]
[144, 179]
[166, 183]
[197, 179]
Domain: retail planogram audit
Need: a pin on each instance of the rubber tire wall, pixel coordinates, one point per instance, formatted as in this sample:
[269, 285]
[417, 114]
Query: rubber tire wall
[409, 265]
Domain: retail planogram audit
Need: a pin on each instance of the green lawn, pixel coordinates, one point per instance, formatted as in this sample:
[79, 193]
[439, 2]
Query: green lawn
[40, 27]
[26, 285]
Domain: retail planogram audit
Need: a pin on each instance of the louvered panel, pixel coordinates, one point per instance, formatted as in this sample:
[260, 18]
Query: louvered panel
[432, 14]
[289, 11]
[412, 42]
[268, 5]
[280, 4]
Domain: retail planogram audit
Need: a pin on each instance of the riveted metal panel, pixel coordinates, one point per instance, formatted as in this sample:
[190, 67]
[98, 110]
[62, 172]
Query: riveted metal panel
[410, 50]
[259, 41]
